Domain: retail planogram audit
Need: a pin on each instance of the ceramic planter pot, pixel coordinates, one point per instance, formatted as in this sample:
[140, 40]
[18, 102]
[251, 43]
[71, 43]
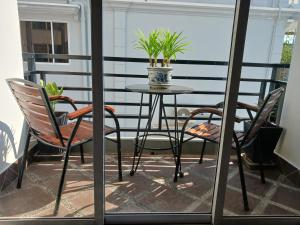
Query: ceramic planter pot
[61, 118]
[160, 77]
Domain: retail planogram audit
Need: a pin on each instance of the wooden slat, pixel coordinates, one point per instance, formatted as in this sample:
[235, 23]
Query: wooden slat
[25, 89]
[40, 128]
[211, 132]
[52, 139]
[36, 115]
[32, 107]
[84, 132]
[28, 98]
[80, 112]
[39, 125]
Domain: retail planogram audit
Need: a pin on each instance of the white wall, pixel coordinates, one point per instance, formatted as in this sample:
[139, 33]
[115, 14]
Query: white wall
[208, 28]
[74, 16]
[11, 119]
[288, 147]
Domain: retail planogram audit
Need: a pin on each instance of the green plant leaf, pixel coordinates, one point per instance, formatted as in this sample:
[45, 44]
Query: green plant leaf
[172, 43]
[52, 90]
[149, 44]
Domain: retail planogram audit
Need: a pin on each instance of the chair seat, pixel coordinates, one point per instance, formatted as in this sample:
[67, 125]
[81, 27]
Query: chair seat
[210, 132]
[83, 134]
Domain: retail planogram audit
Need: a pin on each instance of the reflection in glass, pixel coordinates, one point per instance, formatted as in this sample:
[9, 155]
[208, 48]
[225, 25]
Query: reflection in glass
[60, 39]
[36, 38]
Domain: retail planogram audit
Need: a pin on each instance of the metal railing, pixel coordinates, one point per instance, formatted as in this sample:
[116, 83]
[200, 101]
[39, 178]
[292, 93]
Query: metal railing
[32, 73]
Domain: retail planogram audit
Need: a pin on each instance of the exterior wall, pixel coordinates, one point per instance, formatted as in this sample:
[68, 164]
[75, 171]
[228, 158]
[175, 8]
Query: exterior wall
[262, 3]
[207, 24]
[11, 119]
[288, 147]
[78, 37]
[208, 27]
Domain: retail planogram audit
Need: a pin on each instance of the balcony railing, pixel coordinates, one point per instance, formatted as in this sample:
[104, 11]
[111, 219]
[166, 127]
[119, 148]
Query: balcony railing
[266, 85]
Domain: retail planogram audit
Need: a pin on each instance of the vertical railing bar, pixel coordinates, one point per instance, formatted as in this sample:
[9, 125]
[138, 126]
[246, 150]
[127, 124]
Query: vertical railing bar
[262, 92]
[43, 76]
[31, 67]
[273, 78]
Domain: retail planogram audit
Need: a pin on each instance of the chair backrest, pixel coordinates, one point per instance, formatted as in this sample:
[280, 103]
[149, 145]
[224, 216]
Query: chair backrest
[33, 102]
[262, 115]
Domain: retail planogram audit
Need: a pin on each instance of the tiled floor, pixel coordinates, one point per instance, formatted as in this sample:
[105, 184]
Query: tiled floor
[151, 189]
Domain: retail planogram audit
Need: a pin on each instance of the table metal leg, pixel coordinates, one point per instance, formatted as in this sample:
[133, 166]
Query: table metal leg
[144, 137]
[138, 127]
[160, 112]
[177, 141]
[168, 130]
[150, 106]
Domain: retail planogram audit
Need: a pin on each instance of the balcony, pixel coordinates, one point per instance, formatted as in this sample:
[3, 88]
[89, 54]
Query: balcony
[152, 188]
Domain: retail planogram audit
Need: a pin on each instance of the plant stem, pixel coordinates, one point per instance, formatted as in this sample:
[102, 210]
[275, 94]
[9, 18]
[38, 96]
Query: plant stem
[155, 62]
[151, 62]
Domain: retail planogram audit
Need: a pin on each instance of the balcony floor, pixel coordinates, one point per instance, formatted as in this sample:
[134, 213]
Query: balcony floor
[151, 189]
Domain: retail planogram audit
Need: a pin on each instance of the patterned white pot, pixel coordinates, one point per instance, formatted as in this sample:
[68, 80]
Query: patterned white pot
[160, 77]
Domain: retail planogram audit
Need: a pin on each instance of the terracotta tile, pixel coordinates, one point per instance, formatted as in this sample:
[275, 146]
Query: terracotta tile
[44, 170]
[74, 184]
[125, 207]
[114, 200]
[159, 169]
[253, 184]
[275, 210]
[164, 199]
[49, 212]
[83, 202]
[287, 196]
[203, 208]
[271, 174]
[24, 200]
[293, 179]
[136, 185]
[151, 189]
[234, 202]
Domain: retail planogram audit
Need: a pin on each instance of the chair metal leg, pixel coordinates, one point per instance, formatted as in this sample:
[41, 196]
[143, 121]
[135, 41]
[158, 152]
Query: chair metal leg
[81, 154]
[62, 180]
[140, 148]
[242, 178]
[23, 162]
[178, 163]
[261, 167]
[202, 151]
[119, 154]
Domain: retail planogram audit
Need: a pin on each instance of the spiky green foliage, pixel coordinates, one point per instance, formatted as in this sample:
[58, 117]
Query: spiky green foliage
[286, 55]
[150, 44]
[171, 44]
[52, 90]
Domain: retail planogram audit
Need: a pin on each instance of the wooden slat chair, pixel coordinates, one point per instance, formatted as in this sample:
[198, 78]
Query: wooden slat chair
[209, 131]
[35, 105]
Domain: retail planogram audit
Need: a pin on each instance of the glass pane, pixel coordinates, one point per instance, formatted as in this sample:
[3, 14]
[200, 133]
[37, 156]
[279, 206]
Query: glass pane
[270, 165]
[60, 36]
[151, 188]
[42, 175]
[36, 38]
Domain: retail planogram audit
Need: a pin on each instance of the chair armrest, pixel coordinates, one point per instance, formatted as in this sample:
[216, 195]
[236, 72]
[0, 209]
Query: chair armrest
[247, 106]
[212, 111]
[80, 112]
[63, 98]
[60, 98]
[109, 108]
[86, 110]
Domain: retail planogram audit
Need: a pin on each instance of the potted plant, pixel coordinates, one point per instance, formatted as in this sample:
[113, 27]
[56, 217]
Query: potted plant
[53, 90]
[166, 43]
